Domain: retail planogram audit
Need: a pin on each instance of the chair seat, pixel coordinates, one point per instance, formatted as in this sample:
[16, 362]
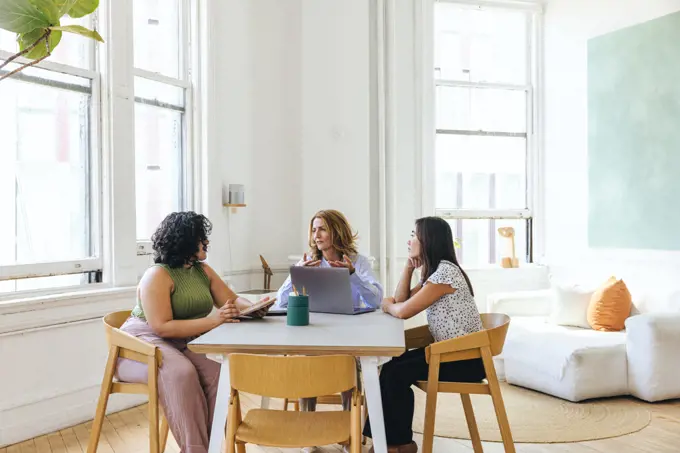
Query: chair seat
[294, 429]
[470, 388]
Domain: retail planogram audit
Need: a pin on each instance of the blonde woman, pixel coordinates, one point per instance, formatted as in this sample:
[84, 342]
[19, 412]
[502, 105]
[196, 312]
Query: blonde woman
[333, 244]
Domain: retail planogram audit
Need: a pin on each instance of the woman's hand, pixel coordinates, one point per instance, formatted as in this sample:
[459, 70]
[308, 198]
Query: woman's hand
[309, 262]
[387, 303]
[413, 263]
[226, 313]
[261, 313]
[346, 262]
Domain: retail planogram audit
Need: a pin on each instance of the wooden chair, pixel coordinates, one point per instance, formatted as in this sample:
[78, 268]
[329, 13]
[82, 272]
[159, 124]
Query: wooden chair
[292, 378]
[334, 400]
[485, 345]
[123, 345]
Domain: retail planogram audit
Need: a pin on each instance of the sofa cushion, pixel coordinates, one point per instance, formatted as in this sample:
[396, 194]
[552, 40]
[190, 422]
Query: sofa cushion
[567, 362]
[656, 300]
[610, 306]
[653, 356]
[549, 347]
[570, 305]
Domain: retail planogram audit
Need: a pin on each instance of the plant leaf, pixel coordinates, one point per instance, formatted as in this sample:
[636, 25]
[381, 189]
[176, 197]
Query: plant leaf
[21, 16]
[80, 30]
[82, 8]
[64, 6]
[26, 40]
[49, 9]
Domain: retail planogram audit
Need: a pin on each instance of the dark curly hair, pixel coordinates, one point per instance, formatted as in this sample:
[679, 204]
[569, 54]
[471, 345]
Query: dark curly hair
[176, 239]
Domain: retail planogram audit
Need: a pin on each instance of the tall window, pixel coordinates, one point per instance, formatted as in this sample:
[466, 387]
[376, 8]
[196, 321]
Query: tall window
[484, 59]
[162, 95]
[60, 165]
[49, 161]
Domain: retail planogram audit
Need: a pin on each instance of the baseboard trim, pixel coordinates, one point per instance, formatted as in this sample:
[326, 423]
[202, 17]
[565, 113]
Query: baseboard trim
[26, 422]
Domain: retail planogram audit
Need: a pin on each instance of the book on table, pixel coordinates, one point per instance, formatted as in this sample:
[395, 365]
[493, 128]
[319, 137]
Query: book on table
[265, 303]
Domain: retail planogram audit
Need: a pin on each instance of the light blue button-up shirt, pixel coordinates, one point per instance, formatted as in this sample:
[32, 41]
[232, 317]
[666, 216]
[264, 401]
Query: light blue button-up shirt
[366, 289]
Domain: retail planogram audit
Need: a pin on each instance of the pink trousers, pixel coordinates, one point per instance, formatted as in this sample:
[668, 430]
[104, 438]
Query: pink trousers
[187, 386]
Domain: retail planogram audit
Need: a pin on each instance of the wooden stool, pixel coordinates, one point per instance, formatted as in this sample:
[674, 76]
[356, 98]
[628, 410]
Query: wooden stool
[124, 345]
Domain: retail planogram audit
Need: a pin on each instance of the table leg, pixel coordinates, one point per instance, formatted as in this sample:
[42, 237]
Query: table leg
[264, 403]
[219, 423]
[369, 371]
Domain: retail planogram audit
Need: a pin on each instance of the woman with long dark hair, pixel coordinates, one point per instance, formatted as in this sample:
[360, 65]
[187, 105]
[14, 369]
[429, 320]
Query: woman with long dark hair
[445, 293]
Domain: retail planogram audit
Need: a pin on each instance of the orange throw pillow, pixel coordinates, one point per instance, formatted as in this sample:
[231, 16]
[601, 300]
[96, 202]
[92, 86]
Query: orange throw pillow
[610, 306]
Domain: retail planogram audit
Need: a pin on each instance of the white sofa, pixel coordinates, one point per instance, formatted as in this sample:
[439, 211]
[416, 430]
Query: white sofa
[576, 363]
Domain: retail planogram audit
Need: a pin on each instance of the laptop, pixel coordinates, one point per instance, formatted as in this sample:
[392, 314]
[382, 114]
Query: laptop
[328, 288]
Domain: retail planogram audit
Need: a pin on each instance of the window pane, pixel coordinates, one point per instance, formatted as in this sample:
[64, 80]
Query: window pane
[481, 109]
[480, 44]
[157, 36]
[474, 172]
[158, 165]
[44, 173]
[480, 243]
[73, 50]
[159, 92]
[31, 284]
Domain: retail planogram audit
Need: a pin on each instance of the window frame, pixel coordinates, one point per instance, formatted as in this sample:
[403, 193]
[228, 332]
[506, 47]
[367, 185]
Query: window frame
[119, 256]
[93, 264]
[187, 18]
[533, 10]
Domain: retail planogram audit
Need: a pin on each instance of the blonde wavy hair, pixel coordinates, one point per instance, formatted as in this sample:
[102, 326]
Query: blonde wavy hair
[342, 237]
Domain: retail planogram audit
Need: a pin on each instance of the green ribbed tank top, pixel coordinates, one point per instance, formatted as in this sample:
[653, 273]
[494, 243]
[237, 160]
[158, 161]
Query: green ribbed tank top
[191, 297]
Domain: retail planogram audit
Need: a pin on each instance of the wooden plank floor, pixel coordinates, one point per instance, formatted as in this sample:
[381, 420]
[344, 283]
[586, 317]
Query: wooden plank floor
[127, 432]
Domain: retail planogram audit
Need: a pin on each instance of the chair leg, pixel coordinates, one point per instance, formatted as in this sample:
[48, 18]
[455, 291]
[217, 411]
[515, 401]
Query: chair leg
[355, 432]
[296, 405]
[431, 403]
[497, 398]
[285, 404]
[364, 417]
[104, 393]
[240, 446]
[472, 423]
[154, 441]
[164, 429]
[233, 421]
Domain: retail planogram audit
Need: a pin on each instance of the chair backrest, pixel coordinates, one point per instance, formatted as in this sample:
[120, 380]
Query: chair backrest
[113, 322]
[292, 377]
[116, 319]
[496, 325]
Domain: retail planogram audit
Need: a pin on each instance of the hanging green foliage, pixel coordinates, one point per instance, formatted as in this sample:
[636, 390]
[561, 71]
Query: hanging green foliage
[38, 27]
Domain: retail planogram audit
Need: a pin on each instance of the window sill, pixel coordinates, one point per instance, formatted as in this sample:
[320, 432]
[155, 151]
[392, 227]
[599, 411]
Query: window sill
[57, 309]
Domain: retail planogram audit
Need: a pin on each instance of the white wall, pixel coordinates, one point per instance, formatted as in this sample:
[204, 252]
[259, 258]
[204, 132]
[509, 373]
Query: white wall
[568, 26]
[54, 380]
[293, 123]
[256, 130]
[336, 126]
[53, 358]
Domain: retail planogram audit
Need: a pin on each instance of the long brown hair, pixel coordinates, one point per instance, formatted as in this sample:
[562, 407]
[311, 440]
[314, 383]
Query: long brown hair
[436, 245]
[342, 237]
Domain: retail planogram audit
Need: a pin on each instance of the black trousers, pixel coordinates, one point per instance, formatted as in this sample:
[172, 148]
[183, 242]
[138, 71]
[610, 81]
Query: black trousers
[397, 377]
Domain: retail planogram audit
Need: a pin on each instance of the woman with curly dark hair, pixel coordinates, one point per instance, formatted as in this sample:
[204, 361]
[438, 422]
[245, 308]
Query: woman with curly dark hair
[175, 301]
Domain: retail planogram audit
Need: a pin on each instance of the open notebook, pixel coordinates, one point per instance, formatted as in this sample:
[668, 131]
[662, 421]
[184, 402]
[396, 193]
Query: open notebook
[258, 306]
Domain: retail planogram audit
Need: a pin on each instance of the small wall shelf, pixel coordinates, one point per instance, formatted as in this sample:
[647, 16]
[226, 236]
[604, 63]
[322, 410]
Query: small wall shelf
[233, 206]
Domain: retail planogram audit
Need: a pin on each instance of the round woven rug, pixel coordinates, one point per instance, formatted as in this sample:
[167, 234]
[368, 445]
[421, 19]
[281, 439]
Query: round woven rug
[536, 417]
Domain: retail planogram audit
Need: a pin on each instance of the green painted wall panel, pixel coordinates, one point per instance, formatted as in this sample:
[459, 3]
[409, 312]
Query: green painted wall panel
[634, 137]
